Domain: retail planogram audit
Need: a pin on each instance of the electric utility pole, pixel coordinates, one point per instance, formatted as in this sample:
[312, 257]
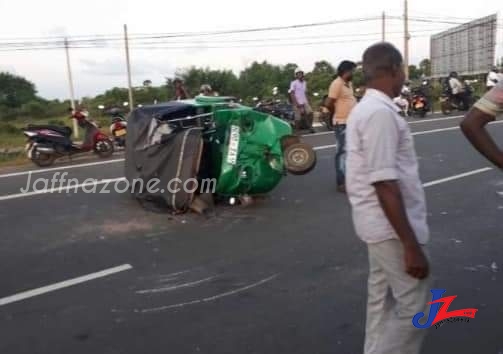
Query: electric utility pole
[131, 106]
[70, 84]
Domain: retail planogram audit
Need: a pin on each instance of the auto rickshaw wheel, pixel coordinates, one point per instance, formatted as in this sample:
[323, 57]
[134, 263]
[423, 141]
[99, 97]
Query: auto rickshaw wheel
[300, 158]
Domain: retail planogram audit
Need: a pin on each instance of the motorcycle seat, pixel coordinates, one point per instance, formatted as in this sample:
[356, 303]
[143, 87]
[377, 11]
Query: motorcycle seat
[66, 131]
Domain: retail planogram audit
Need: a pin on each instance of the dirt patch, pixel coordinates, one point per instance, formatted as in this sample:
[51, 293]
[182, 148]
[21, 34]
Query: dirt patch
[120, 227]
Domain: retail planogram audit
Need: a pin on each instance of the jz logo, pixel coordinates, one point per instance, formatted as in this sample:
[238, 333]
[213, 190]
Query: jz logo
[438, 310]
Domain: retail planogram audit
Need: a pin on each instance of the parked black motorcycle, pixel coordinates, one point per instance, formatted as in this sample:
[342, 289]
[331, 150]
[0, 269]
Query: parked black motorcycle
[449, 102]
[278, 109]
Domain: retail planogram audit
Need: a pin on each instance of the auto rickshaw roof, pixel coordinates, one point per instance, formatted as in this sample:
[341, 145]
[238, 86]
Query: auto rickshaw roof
[209, 100]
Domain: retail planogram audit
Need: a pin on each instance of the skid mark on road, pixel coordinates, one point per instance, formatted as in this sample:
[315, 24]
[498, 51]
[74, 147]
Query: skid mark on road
[175, 286]
[212, 298]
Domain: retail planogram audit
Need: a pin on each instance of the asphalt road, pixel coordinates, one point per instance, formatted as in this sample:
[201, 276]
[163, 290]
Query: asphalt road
[287, 275]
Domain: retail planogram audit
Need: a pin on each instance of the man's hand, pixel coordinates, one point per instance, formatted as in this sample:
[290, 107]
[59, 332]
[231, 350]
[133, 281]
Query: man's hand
[473, 127]
[301, 109]
[416, 264]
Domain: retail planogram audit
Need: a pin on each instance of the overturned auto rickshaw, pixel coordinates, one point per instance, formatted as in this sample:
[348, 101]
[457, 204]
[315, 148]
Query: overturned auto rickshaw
[179, 146]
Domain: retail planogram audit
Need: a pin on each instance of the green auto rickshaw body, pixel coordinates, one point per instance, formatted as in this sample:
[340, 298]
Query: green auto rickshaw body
[246, 147]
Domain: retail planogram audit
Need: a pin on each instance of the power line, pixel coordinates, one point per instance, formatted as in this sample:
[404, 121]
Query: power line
[152, 45]
[206, 33]
[107, 41]
[98, 44]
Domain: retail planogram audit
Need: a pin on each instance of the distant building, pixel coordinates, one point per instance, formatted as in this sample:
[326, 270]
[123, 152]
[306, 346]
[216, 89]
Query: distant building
[470, 49]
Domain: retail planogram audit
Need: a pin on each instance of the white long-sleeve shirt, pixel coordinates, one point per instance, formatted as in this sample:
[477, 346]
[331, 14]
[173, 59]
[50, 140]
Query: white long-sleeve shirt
[456, 85]
[492, 79]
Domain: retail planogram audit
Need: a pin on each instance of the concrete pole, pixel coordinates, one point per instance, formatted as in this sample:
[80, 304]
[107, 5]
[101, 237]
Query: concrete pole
[130, 86]
[406, 39]
[383, 26]
[70, 84]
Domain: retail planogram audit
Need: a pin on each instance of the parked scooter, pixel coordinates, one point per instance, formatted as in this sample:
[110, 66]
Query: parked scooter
[46, 143]
[420, 104]
[118, 128]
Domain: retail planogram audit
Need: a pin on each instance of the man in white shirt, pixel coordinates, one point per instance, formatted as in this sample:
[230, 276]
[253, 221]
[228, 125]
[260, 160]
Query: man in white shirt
[298, 97]
[492, 78]
[458, 90]
[388, 207]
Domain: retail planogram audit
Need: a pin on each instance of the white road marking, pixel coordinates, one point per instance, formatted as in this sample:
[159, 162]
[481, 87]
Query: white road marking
[323, 147]
[410, 122]
[213, 298]
[452, 178]
[435, 131]
[64, 284]
[60, 189]
[24, 173]
[175, 287]
[434, 120]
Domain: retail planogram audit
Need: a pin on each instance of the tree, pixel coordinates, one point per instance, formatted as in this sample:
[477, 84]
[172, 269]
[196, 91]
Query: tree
[15, 90]
[414, 72]
[425, 66]
[321, 77]
[224, 82]
[147, 83]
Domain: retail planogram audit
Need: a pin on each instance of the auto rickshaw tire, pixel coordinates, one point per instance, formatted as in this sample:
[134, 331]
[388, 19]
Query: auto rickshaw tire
[300, 158]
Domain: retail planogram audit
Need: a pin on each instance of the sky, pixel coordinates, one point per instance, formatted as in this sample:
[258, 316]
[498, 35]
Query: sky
[97, 69]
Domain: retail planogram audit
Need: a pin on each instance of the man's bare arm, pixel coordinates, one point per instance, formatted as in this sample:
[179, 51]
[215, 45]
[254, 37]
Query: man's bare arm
[473, 127]
[330, 105]
[390, 199]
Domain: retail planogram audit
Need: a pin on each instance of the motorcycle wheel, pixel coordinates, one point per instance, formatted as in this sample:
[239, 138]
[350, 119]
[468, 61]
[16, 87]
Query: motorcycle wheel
[445, 108]
[104, 148]
[300, 158]
[422, 113]
[42, 160]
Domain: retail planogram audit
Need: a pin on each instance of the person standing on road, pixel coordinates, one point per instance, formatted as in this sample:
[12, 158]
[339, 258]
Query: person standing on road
[298, 96]
[388, 207]
[340, 102]
[474, 124]
[180, 92]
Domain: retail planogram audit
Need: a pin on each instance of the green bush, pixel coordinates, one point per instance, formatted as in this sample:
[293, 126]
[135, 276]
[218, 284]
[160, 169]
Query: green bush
[9, 129]
[56, 122]
[103, 122]
[35, 109]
